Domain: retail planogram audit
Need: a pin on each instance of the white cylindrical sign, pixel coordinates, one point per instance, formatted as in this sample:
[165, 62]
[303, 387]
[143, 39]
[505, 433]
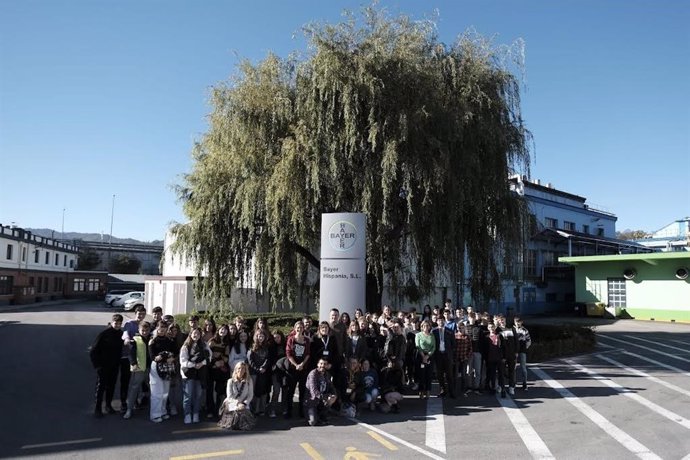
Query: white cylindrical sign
[343, 263]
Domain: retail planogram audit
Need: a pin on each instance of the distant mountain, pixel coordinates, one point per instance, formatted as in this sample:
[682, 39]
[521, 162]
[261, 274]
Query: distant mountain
[49, 233]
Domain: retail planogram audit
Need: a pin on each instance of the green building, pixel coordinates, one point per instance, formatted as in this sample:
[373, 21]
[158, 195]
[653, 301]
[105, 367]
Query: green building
[652, 286]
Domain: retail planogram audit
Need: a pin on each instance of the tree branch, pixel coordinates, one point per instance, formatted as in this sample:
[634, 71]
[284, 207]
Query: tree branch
[304, 252]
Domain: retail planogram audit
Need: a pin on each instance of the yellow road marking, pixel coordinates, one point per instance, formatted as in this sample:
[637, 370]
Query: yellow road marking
[62, 443]
[197, 430]
[384, 442]
[209, 455]
[311, 451]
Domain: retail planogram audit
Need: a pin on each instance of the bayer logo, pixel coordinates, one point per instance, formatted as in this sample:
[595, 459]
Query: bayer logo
[342, 235]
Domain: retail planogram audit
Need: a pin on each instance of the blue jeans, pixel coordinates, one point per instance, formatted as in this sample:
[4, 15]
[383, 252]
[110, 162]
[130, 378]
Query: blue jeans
[191, 397]
[476, 370]
[522, 357]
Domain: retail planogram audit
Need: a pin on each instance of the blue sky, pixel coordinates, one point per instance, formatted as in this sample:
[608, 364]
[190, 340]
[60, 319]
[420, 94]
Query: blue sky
[106, 97]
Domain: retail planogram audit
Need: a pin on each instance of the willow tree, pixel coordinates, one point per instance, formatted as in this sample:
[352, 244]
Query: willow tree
[379, 117]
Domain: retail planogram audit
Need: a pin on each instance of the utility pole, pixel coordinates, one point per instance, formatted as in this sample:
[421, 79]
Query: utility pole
[110, 239]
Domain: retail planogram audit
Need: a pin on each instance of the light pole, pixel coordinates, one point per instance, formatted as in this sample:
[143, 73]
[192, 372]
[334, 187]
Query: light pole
[110, 239]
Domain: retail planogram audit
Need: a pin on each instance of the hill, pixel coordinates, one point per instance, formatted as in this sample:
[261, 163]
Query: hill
[71, 236]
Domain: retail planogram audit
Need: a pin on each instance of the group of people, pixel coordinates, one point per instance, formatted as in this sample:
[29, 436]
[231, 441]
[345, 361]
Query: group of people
[231, 373]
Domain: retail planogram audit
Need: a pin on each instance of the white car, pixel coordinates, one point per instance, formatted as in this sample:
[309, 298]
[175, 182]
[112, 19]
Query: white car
[112, 295]
[131, 304]
[120, 301]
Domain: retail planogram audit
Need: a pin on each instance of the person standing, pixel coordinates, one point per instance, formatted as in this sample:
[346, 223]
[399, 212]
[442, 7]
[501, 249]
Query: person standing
[426, 346]
[129, 330]
[139, 361]
[259, 362]
[444, 358]
[494, 358]
[105, 356]
[297, 352]
[463, 358]
[194, 356]
[525, 341]
[162, 352]
[511, 348]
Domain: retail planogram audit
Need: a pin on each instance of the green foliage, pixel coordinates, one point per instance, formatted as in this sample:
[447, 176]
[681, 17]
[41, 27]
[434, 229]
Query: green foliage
[89, 259]
[553, 341]
[380, 118]
[125, 264]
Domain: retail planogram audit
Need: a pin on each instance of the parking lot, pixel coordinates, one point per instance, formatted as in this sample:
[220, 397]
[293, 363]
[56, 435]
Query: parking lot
[629, 398]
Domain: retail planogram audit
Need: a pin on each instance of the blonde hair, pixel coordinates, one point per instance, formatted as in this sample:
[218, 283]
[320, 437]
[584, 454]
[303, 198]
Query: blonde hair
[241, 371]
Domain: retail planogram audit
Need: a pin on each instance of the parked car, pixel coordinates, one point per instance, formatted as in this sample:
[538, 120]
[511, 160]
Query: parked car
[120, 301]
[134, 302]
[114, 294]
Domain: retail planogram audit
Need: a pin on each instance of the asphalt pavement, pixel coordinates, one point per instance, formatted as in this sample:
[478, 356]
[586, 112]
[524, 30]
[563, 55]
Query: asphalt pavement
[631, 398]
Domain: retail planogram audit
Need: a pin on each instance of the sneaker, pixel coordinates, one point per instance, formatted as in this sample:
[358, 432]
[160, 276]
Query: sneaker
[477, 392]
[165, 417]
[511, 391]
[524, 386]
[272, 414]
[187, 419]
[415, 387]
[195, 418]
[128, 414]
[157, 420]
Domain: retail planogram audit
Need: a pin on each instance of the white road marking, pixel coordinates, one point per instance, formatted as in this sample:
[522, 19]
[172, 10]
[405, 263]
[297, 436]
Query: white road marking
[682, 350]
[62, 443]
[687, 457]
[647, 348]
[682, 421]
[607, 427]
[645, 375]
[529, 436]
[397, 439]
[680, 342]
[653, 361]
[435, 425]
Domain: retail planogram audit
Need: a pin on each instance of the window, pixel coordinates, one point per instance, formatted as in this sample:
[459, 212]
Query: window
[616, 288]
[24, 254]
[71, 263]
[6, 283]
[549, 257]
[36, 254]
[79, 284]
[45, 284]
[57, 259]
[64, 262]
[530, 264]
[94, 283]
[600, 231]
[585, 229]
[9, 251]
[47, 257]
[551, 223]
[569, 226]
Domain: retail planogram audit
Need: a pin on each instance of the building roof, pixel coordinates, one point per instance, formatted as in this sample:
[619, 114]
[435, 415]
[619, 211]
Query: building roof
[586, 238]
[649, 258]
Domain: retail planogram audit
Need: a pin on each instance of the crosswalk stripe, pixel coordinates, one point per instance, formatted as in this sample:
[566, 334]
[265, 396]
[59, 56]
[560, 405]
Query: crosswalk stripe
[683, 350]
[680, 342]
[647, 348]
[529, 436]
[685, 423]
[653, 361]
[644, 374]
[435, 425]
[607, 427]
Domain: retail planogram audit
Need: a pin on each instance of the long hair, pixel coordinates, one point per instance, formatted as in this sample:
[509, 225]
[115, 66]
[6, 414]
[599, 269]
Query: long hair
[189, 342]
[241, 372]
[217, 339]
[255, 343]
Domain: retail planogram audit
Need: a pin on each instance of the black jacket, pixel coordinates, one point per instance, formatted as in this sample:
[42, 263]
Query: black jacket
[106, 350]
[449, 342]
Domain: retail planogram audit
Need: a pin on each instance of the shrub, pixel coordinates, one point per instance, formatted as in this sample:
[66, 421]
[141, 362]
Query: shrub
[553, 341]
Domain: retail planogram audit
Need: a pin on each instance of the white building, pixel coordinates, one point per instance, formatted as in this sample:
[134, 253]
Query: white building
[34, 268]
[673, 237]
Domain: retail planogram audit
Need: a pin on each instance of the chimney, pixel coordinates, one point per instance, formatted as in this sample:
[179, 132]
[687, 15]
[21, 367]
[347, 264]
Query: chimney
[537, 181]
